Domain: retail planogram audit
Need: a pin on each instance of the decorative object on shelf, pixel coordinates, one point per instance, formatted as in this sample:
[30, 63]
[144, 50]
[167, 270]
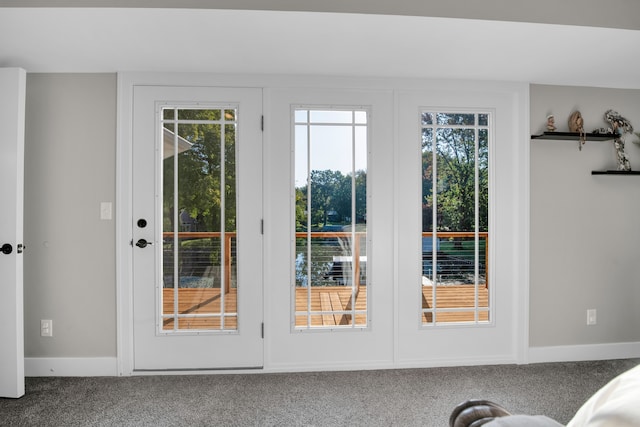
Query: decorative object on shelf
[576, 124]
[620, 127]
[603, 131]
[551, 123]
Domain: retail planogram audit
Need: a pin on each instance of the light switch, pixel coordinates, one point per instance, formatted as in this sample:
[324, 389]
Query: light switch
[105, 210]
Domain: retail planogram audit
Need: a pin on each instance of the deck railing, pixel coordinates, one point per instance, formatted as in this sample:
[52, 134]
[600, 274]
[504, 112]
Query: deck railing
[456, 252]
[449, 242]
[229, 248]
[354, 251]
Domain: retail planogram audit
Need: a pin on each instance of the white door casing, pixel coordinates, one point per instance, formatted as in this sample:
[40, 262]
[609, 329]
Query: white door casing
[12, 113]
[395, 338]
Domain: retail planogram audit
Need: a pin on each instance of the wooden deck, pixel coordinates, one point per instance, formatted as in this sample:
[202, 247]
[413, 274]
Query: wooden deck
[455, 296]
[201, 301]
[330, 299]
[327, 302]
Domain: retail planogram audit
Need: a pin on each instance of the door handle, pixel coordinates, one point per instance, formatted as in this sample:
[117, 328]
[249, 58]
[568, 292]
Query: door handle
[6, 249]
[142, 243]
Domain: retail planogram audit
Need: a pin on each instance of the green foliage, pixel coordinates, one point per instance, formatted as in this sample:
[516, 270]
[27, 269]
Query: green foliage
[331, 197]
[200, 171]
[455, 181]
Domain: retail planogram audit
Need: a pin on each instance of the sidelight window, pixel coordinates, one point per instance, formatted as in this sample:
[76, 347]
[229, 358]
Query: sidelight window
[455, 216]
[330, 194]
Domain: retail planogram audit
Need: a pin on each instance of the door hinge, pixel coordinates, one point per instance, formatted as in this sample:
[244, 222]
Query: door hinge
[262, 123]
[262, 330]
[262, 226]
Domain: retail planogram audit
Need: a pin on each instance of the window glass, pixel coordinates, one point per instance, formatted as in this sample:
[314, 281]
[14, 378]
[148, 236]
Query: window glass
[330, 182]
[199, 220]
[455, 217]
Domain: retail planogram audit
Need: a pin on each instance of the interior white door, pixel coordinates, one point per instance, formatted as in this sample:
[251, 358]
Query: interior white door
[197, 242]
[12, 104]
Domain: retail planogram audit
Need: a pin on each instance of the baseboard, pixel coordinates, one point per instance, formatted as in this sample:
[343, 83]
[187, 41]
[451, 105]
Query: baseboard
[70, 366]
[108, 366]
[385, 364]
[574, 353]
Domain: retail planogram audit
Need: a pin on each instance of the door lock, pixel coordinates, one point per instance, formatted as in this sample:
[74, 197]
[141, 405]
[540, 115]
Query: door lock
[142, 243]
[6, 249]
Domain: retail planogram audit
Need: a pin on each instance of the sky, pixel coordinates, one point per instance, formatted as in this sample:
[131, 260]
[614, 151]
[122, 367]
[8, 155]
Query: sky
[333, 139]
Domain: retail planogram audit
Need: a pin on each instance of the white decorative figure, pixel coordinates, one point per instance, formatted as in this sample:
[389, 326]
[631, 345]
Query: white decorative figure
[551, 123]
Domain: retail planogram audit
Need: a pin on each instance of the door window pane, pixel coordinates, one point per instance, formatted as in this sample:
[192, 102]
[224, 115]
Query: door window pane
[199, 220]
[455, 217]
[330, 263]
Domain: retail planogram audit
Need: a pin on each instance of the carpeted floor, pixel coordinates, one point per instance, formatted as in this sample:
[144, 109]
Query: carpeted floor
[406, 397]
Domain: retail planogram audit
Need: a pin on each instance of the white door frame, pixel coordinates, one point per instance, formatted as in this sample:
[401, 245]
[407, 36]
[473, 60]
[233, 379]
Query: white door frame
[520, 100]
[124, 208]
[12, 114]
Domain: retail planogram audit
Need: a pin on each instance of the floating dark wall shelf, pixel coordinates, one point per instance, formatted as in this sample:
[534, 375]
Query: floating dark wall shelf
[573, 136]
[614, 172]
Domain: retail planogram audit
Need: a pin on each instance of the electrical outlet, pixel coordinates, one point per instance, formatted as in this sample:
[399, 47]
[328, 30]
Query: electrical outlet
[591, 316]
[46, 328]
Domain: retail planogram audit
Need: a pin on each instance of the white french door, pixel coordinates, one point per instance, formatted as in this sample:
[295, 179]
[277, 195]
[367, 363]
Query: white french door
[196, 240]
[12, 103]
[348, 276]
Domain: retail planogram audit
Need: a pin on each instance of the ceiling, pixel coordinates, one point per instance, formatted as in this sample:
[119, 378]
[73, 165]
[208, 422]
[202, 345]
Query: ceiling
[316, 43]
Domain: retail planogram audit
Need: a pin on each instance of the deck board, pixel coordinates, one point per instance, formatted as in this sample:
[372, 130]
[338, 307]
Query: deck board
[455, 296]
[322, 299]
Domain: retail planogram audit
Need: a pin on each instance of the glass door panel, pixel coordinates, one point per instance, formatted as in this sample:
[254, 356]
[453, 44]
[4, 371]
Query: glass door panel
[199, 196]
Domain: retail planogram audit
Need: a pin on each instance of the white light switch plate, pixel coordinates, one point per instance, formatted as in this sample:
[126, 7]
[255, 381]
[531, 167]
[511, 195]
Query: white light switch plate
[105, 210]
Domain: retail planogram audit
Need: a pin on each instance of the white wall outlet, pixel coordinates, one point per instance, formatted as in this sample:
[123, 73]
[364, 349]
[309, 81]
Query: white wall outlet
[591, 316]
[105, 210]
[46, 328]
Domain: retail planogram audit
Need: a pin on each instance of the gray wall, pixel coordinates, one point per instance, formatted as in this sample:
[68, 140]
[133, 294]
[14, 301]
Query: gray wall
[584, 229]
[69, 262]
[597, 13]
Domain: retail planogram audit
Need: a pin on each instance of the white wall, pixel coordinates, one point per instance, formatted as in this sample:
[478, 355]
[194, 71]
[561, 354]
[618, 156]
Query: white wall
[585, 231]
[69, 264]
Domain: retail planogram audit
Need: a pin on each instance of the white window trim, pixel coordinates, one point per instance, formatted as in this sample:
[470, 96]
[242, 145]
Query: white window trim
[353, 311]
[490, 261]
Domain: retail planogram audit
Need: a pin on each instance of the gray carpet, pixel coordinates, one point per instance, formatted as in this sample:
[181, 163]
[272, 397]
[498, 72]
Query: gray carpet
[406, 397]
